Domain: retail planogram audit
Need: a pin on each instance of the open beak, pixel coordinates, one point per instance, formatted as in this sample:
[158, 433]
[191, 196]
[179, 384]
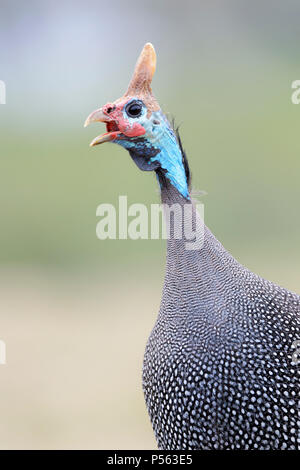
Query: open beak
[112, 130]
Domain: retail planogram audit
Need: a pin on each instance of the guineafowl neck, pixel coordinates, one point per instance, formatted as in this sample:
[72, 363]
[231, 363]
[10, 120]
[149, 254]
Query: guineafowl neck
[202, 267]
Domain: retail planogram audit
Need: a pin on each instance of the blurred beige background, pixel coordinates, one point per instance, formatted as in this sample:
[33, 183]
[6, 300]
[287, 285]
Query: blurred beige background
[75, 312]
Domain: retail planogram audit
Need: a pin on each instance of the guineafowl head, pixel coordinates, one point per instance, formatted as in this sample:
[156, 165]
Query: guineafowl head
[136, 122]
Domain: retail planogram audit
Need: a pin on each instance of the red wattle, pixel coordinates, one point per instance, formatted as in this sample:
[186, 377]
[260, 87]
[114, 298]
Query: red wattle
[135, 131]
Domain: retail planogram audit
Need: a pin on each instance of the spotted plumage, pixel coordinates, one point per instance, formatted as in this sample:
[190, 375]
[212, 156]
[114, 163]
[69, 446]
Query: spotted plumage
[218, 370]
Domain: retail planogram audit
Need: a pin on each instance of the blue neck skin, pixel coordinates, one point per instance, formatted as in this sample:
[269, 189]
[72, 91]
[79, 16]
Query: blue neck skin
[170, 159]
[162, 139]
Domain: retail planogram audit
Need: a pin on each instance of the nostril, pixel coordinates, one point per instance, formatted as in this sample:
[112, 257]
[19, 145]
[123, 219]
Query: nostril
[109, 109]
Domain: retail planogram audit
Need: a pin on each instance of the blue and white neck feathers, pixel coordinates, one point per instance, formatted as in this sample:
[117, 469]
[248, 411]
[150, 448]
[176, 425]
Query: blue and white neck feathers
[160, 149]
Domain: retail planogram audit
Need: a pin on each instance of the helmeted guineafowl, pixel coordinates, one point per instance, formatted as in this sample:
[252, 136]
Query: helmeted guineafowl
[220, 371]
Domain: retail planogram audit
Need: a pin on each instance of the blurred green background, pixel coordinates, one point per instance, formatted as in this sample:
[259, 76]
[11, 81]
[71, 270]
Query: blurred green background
[75, 312]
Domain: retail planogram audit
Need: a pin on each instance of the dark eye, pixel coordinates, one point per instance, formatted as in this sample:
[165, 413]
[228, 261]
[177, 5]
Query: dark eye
[134, 109]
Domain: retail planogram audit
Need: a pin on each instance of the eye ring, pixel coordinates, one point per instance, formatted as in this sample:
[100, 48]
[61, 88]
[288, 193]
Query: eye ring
[134, 109]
